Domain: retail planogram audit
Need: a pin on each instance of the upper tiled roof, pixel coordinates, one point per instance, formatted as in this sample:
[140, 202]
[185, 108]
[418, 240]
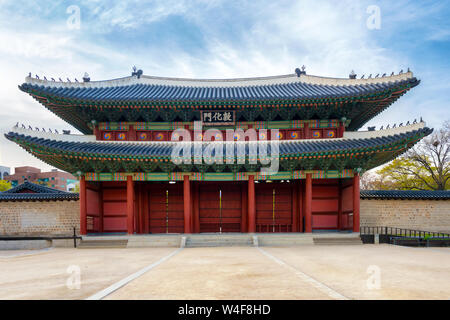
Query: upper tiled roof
[405, 194]
[147, 88]
[41, 193]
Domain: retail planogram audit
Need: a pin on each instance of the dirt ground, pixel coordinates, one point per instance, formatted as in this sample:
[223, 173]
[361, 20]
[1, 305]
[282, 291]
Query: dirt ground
[306, 272]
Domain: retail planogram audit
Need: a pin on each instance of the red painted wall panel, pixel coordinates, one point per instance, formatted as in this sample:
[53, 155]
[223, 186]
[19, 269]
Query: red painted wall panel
[92, 202]
[347, 199]
[115, 194]
[116, 208]
[324, 221]
[115, 224]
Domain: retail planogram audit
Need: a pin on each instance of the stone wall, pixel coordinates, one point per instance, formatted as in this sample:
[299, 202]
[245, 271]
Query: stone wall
[426, 215]
[39, 218]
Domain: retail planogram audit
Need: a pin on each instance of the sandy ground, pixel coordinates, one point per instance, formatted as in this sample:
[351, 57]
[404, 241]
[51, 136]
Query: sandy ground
[44, 274]
[306, 272]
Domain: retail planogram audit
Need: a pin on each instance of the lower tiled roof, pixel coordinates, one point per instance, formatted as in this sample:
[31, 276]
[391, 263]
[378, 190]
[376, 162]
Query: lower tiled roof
[39, 193]
[405, 194]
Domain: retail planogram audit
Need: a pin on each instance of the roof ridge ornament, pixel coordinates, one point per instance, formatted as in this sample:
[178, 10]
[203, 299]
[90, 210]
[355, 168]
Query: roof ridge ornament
[86, 77]
[352, 75]
[136, 72]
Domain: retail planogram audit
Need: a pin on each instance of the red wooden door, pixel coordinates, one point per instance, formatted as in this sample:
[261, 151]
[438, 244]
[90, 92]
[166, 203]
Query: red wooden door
[220, 207]
[274, 207]
[166, 208]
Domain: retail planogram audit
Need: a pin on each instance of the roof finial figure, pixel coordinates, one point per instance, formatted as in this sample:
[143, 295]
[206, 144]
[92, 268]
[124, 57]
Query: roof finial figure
[394, 126]
[409, 70]
[50, 130]
[53, 79]
[36, 128]
[37, 77]
[17, 125]
[43, 130]
[23, 126]
[415, 121]
[76, 80]
[45, 78]
[137, 73]
[370, 76]
[401, 124]
[86, 77]
[362, 77]
[384, 75]
[352, 75]
[29, 74]
[30, 127]
[392, 73]
[68, 80]
[298, 72]
[387, 127]
[408, 123]
[382, 128]
[56, 131]
[401, 72]
[377, 75]
[421, 120]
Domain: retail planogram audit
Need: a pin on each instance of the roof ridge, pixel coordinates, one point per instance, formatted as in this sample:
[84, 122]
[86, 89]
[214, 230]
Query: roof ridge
[221, 83]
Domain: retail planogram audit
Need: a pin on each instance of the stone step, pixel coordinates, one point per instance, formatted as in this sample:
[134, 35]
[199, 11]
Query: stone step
[284, 240]
[196, 241]
[91, 244]
[154, 241]
[338, 241]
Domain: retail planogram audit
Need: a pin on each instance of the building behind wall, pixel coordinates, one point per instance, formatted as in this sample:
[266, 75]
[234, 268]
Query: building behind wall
[130, 183]
[54, 179]
[4, 172]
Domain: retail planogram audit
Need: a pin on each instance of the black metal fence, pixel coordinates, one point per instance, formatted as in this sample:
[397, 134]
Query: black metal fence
[402, 236]
[17, 238]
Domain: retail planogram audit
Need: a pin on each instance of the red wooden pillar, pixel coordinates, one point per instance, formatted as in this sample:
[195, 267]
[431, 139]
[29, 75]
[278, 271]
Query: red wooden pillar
[100, 208]
[339, 222]
[356, 203]
[308, 203]
[244, 203]
[146, 210]
[83, 206]
[130, 205]
[187, 204]
[294, 192]
[251, 205]
[301, 205]
[196, 208]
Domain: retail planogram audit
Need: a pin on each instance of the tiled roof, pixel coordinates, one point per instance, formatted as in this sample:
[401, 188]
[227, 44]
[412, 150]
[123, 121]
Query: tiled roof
[144, 91]
[164, 149]
[405, 194]
[42, 193]
[33, 187]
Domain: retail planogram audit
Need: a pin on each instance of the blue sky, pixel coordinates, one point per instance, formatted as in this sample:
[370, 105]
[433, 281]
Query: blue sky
[221, 39]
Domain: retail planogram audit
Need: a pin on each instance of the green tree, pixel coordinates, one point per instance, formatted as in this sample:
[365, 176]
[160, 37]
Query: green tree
[4, 185]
